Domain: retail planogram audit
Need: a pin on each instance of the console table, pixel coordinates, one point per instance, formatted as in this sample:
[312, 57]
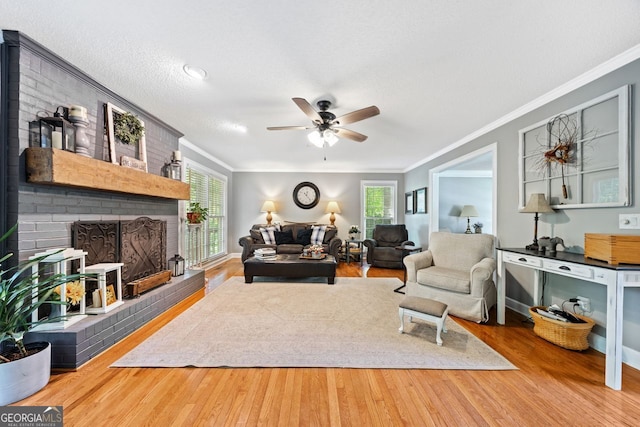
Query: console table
[615, 277]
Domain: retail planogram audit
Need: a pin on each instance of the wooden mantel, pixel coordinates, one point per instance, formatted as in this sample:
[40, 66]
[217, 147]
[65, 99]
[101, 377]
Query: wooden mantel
[59, 167]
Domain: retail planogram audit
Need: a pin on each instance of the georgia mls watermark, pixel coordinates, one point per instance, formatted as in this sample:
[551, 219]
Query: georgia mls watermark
[31, 416]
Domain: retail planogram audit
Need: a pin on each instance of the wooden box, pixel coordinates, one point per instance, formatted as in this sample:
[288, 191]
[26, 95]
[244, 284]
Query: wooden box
[613, 248]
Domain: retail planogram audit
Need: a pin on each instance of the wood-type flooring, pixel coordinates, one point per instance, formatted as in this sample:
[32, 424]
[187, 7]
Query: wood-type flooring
[552, 387]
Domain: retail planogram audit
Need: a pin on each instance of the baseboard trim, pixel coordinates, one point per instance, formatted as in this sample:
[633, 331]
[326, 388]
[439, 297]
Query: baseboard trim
[630, 356]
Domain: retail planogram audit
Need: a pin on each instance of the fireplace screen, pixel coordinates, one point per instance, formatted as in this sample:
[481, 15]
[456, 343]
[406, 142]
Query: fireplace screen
[140, 244]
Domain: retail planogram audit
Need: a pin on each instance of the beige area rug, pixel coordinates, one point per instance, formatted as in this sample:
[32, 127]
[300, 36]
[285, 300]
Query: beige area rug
[353, 323]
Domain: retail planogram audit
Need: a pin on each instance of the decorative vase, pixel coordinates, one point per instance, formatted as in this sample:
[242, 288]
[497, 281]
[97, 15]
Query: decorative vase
[23, 377]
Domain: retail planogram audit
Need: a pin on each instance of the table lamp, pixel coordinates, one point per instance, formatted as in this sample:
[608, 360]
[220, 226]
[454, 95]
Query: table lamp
[333, 208]
[268, 207]
[537, 204]
[468, 211]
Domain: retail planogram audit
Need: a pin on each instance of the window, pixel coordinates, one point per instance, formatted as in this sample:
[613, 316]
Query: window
[378, 204]
[210, 190]
[594, 171]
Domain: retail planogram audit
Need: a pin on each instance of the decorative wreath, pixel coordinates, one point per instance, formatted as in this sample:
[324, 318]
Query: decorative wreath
[127, 128]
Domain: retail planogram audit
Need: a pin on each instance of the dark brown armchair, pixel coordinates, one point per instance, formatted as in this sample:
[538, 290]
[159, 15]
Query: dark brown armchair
[381, 248]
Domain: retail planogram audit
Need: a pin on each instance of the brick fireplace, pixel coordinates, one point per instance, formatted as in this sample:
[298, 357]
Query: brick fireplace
[92, 189]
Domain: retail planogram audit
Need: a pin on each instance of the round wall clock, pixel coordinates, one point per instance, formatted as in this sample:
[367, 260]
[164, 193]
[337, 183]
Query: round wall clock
[306, 195]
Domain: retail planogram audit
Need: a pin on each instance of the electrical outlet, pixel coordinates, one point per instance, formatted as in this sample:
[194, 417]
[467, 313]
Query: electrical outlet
[629, 221]
[584, 303]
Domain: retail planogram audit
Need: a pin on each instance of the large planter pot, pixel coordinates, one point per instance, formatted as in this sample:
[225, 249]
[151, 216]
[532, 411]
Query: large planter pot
[23, 377]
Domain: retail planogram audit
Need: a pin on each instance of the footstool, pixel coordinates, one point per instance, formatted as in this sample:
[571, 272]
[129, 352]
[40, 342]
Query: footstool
[425, 309]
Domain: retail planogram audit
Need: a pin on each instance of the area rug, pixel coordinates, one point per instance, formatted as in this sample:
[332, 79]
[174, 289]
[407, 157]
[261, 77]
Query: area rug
[353, 323]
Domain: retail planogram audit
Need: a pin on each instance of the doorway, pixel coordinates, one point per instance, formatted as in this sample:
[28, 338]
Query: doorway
[467, 180]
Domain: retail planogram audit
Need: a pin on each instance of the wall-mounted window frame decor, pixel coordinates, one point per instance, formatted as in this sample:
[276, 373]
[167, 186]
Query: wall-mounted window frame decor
[420, 200]
[408, 202]
[138, 163]
[595, 170]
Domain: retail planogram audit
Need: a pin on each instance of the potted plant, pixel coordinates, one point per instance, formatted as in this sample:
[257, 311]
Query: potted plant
[24, 368]
[353, 232]
[477, 227]
[196, 213]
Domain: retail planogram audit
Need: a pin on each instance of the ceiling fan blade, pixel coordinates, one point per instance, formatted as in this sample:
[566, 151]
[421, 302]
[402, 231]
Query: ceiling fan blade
[306, 108]
[356, 116]
[289, 127]
[349, 134]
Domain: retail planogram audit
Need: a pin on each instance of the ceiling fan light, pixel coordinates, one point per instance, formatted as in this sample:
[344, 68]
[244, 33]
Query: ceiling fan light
[329, 137]
[316, 139]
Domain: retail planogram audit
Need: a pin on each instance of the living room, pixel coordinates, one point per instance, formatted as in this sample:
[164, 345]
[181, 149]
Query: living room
[499, 140]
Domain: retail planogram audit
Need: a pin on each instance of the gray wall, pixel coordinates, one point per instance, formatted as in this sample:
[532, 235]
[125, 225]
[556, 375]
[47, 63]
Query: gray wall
[515, 229]
[251, 189]
[455, 192]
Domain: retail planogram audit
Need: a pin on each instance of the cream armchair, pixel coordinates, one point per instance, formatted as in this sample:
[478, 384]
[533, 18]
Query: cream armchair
[457, 270]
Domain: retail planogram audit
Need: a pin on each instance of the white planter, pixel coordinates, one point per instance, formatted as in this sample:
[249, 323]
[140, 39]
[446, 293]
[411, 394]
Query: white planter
[24, 377]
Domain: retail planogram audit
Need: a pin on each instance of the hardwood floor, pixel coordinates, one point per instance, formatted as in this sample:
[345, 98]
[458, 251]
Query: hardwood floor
[552, 387]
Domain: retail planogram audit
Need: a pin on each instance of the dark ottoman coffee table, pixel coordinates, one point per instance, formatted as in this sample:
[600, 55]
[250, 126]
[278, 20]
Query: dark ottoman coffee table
[288, 265]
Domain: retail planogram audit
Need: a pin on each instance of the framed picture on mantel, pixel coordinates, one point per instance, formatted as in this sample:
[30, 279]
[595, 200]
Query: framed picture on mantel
[137, 163]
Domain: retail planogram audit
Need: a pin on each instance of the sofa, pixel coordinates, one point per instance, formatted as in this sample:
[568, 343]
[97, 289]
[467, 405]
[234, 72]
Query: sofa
[381, 248]
[457, 270]
[289, 238]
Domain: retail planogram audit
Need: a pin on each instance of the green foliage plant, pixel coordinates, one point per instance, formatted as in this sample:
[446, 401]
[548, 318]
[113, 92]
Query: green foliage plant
[127, 128]
[197, 213]
[21, 294]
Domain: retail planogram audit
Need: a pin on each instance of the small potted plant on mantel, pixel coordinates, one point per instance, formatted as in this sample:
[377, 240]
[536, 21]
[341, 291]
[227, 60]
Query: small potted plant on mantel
[477, 227]
[196, 213]
[25, 368]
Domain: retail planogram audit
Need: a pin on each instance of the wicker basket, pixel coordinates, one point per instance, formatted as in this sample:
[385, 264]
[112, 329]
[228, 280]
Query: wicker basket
[572, 336]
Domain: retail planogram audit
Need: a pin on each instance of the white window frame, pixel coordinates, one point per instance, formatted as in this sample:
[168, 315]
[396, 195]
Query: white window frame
[377, 183]
[188, 163]
[623, 162]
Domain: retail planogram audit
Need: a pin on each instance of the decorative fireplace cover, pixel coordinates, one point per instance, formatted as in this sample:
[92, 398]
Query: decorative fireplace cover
[140, 244]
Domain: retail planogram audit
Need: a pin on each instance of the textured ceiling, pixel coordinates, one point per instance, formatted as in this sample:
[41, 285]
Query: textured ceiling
[438, 70]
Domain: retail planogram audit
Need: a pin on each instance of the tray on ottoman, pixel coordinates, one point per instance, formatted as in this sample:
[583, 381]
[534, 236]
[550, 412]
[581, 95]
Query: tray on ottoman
[290, 265]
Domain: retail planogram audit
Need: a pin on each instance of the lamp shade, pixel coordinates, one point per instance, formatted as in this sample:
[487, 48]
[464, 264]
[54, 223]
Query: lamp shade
[332, 207]
[268, 206]
[468, 211]
[537, 204]
[316, 139]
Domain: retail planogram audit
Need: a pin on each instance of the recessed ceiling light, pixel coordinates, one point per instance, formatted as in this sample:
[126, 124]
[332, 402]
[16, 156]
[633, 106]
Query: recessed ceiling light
[233, 127]
[195, 72]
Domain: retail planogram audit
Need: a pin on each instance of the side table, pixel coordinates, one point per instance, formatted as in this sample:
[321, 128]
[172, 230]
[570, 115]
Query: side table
[406, 250]
[348, 250]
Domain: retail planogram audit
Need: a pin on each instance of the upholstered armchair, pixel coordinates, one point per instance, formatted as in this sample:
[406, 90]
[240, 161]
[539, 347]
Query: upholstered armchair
[381, 248]
[457, 270]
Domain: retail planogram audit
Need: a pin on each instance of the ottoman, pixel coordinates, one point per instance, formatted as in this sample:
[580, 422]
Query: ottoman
[425, 309]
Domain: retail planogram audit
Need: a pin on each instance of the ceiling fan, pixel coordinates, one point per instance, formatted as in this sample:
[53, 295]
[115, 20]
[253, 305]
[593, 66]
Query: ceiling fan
[327, 125]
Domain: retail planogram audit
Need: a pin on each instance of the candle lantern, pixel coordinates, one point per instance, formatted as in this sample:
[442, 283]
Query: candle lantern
[56, 131]
[176, 265]
[175, 167]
